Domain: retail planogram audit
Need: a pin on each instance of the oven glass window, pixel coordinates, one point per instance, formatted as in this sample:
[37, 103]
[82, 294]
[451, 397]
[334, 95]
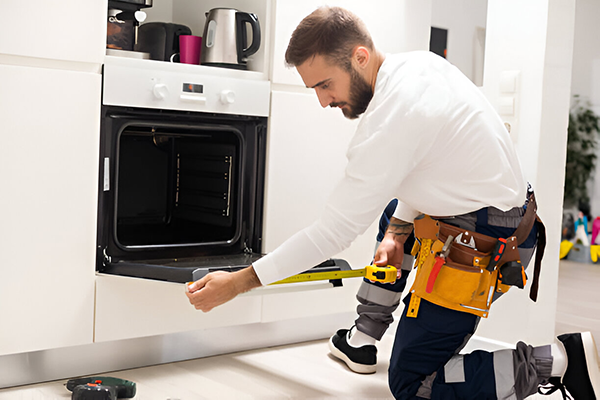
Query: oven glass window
[177, 186]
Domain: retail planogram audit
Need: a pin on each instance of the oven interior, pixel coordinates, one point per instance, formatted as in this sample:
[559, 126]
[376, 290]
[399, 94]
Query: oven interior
[176, 187]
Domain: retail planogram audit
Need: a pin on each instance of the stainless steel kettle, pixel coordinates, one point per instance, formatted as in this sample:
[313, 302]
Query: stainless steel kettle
[225, 41]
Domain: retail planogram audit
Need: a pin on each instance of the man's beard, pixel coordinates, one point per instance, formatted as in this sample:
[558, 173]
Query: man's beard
[360, 96]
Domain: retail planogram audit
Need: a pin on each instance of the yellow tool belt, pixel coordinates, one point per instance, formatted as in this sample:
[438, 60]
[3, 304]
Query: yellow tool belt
[459, 269]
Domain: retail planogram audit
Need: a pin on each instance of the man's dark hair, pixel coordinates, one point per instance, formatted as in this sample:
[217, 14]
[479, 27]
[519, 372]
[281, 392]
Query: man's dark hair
[329, 31]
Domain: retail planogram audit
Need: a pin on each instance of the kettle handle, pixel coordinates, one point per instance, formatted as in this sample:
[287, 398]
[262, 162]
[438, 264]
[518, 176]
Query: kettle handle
[242, 19]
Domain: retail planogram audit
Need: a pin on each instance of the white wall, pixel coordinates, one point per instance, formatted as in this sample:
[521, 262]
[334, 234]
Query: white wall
[586, 73]
[586, 52]
[464, 20]
[161, 11]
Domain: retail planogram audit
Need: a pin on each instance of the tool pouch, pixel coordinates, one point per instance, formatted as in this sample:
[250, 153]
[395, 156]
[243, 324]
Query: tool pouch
[456, 286]
[460, 280]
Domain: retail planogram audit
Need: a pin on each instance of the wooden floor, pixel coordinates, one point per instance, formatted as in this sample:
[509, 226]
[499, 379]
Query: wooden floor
[306, 370]
[578, 306]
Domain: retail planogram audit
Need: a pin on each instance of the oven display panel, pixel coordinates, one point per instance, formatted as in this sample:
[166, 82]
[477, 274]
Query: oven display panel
[193, 88]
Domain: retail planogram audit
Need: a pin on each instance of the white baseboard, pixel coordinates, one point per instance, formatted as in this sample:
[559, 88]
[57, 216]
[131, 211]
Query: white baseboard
[100, 358]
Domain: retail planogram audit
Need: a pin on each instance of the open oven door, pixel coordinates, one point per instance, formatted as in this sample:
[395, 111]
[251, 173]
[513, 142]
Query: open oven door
[192, 269]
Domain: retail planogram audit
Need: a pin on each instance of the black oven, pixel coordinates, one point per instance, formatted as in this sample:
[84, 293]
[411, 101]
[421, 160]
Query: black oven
[179, 190]
[182, 170]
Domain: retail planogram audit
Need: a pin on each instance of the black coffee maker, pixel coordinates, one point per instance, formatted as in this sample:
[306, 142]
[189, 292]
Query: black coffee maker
[124, 17]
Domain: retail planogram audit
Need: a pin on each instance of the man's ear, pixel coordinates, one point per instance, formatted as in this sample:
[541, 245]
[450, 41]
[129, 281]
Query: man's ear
[361, 56]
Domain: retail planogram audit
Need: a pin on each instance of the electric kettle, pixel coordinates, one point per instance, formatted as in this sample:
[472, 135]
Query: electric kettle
[225, 41]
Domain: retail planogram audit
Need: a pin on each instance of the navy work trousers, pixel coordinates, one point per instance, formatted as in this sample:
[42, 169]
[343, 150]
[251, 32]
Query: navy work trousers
[424, 345]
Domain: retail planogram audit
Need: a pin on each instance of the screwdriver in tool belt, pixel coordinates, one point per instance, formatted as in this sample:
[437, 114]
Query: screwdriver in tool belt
[496, 254]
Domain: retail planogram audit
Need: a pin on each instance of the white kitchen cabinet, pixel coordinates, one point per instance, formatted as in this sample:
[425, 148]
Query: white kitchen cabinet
[395, 26]
[309, 299]
[132, 307]
[67, 30]
[306, 157]
[287, 16]
[128, 308]
[49, 127]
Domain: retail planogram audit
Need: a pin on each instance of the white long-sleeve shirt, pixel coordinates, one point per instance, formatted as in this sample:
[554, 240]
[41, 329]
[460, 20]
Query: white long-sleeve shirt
[429, 138]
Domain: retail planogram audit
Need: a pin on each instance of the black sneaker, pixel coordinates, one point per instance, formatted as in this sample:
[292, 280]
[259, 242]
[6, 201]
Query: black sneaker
[582, 378]
[359, 359]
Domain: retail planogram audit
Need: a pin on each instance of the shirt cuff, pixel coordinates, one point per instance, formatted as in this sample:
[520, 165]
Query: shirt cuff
[405, 213]
[266, 270]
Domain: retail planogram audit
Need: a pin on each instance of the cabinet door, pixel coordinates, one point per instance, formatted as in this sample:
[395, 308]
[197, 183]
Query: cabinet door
[395, 25]
[130, 307]
[306, 158]
[49, 128]
[68, 30]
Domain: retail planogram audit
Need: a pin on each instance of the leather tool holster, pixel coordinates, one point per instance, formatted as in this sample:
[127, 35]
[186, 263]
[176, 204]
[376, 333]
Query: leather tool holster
[467, 274]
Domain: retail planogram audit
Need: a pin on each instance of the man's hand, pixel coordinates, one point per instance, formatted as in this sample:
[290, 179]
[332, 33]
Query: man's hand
[219, 287]
[391, 249]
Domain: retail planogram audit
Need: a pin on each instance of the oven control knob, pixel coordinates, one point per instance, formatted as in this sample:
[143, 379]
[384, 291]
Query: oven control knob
[160, 91]
[227, 96]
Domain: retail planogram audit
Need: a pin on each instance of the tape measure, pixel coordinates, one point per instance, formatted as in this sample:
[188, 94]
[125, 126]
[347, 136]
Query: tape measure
[386, 274]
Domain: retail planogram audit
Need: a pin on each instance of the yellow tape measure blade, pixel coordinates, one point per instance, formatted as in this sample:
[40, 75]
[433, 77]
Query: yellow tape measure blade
[322, 276]
[372, 272]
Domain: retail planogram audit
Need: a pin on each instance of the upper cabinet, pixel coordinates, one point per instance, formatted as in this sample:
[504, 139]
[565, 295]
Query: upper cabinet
[396, 26]
[66, 30]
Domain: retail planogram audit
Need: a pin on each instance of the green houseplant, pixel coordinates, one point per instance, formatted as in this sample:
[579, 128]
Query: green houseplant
[582, 141]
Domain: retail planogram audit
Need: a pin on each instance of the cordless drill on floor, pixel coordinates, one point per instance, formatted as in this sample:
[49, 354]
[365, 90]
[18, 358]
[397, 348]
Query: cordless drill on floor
[101, 388]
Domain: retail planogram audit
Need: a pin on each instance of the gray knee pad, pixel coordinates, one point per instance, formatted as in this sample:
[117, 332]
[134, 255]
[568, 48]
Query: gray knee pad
[375, 309]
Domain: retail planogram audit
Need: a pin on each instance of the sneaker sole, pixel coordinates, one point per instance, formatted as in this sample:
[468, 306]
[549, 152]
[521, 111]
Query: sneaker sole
[591, 357]
[359, 368]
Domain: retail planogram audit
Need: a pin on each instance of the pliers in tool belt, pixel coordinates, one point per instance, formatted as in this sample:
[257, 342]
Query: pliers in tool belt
[439, 261]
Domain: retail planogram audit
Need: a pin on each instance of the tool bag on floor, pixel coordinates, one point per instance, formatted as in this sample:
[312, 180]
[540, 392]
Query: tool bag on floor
[462, 270]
